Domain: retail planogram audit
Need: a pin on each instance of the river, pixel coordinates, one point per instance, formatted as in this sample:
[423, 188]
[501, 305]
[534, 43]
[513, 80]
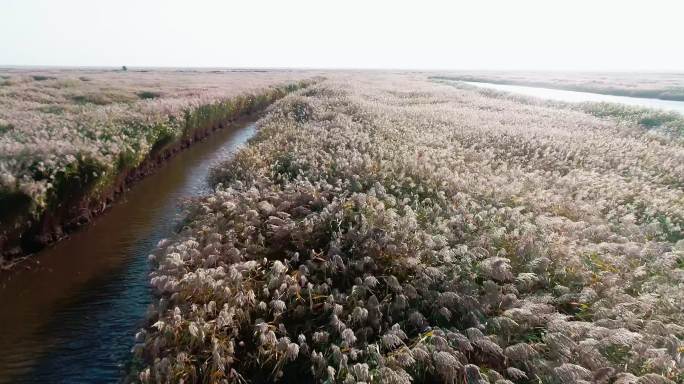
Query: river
[69, 313]
[577, 97]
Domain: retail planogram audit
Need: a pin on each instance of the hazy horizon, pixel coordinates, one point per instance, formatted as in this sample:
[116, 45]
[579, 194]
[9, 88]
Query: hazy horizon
[490, 35]
[331, 69]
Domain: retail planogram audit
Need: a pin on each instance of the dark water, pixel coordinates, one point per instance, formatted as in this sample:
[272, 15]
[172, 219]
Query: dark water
[69, 314]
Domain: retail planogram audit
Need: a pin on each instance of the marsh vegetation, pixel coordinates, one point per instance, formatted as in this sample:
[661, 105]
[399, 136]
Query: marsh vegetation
[71, 139]
[390, 229]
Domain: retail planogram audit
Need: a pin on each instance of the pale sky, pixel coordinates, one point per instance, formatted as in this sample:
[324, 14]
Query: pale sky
[423, 34]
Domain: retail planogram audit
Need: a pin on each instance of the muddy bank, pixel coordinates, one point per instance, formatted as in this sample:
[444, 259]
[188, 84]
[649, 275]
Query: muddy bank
[83, 196]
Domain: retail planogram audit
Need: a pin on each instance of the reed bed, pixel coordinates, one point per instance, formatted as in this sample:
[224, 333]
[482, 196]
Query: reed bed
[386, 229]
[68, 137]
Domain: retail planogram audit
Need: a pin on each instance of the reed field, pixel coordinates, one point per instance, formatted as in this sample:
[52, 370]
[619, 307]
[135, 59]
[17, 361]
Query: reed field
[341, 192]
[70, 138]
[392, 229]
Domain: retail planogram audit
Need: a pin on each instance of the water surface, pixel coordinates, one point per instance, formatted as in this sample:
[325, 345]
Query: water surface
[69, 313]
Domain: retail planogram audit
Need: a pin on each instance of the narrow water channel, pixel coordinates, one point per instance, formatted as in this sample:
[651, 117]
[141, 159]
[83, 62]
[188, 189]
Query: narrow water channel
[68, 315]
[578, 97]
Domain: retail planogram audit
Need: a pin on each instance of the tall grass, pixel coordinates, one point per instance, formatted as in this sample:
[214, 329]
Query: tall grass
[390, 230]
[670, 123]
[55, 154]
